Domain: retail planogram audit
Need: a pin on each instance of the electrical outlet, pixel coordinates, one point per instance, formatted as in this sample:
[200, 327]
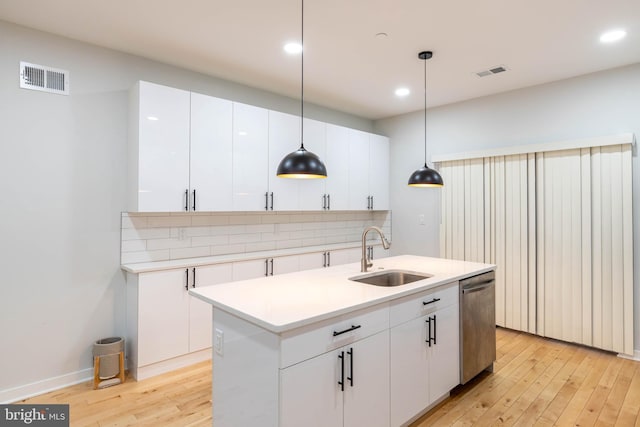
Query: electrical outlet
[421, 219]
[182, 233]
[218, 342]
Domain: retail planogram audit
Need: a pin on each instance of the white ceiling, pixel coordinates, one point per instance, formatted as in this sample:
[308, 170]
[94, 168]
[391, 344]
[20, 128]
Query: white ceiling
[346, 66]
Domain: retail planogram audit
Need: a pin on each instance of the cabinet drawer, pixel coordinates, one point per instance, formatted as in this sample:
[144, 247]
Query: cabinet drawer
[413, 306]
[309, 341]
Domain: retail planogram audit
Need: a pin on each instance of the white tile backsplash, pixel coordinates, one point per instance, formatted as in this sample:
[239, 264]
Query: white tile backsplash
[161, 236]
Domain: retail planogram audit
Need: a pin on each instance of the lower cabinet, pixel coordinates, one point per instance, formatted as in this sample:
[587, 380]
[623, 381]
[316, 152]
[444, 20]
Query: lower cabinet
[163, 321]
[424, 354]
[348, 386]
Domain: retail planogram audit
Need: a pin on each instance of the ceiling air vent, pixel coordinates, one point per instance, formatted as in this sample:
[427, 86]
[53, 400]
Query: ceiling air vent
[491, 71]
[43, 78]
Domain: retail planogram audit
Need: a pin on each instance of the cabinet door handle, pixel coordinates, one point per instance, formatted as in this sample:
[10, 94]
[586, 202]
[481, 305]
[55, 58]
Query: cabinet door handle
[272, 266]
[352, 328]
[194, 200]
[324, 259]
[430, 302]
[341, 382]
[350, 377]
[271, 208]
[435, 330]
[186, 281]
[193, 279]
[266, 201]
[266, 267]
[371, 202]
[186, 199]
[324, 201]
[328, 202]
[428, 341]
[328, 259]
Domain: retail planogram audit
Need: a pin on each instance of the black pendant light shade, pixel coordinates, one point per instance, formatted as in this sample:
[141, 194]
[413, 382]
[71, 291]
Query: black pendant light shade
[425, 176]
[301, 164]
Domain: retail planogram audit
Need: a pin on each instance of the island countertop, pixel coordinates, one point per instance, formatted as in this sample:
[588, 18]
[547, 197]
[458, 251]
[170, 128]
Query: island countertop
[288, 301]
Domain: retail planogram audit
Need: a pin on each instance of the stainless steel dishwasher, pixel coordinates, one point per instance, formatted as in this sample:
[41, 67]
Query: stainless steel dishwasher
[477, 325]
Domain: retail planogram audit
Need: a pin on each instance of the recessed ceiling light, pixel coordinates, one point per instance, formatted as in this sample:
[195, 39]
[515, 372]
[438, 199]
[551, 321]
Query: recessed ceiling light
[152, 118]
[293, 48]
[402, 91]
[613, 36]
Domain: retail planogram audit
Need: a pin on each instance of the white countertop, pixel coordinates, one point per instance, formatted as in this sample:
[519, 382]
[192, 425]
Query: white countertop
[144, 267]
[288, 301]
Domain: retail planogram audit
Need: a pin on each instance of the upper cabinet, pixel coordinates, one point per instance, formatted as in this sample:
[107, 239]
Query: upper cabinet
[250, 154]
[192, 152]
[180, 151]
[159, 148]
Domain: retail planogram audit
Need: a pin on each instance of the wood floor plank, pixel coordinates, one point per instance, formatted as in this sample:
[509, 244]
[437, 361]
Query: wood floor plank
[536, 381]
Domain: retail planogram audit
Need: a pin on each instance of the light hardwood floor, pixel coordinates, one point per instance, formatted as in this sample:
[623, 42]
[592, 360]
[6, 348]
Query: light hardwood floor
[536, 382]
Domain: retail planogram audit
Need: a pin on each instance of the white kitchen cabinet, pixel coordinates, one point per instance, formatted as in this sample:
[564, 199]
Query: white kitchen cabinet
[200, 332]
[210, 185]
[379, 172]
[164, 320]
[358, 170]
[253, 269]
[163, 316]
[284, 137]
[329, 258]
[344, 387]
[337, 162]
[180, 151]
[250, 158]
[158, 148]
[424, 351]
[313, 190]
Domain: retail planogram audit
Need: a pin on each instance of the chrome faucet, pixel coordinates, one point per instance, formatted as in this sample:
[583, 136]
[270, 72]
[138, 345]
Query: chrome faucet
[364, 262]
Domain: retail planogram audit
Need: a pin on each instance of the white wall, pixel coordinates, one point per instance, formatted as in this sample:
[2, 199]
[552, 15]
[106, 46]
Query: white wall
[62, 187]
[603, 103]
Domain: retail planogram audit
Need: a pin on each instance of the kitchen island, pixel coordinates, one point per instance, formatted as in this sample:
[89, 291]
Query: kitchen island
[315, 348]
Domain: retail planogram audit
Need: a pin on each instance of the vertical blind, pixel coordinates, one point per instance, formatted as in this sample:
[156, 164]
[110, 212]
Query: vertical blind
[558, 225]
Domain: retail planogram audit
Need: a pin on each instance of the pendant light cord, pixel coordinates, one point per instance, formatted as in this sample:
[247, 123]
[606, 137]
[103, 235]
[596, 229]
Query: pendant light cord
[302, 77]
[425, 112]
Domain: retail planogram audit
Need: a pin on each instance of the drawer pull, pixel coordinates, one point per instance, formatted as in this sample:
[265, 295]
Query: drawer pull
[430, 302]
[352, 328]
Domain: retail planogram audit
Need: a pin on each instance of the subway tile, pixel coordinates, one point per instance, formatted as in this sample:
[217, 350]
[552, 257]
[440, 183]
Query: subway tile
[210, 220]
[227, 249]
[227, 229]
[191, 231]
[273, 218]
[292, 226]
[260, 246]
[179, 253]
[133, 245]
[244, 219]
[316, 241]
[145, 233]
[314, 225]
[146, 256]
[303, 234]
[129, 221]
[169, 221]
[260, 228]
[286, 244]
[244, 238]
[209, 240]
[155, 244]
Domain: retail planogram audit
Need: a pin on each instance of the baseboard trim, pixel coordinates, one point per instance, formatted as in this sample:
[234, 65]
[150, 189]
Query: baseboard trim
[26, 391]
[144, 372]
[636, 356]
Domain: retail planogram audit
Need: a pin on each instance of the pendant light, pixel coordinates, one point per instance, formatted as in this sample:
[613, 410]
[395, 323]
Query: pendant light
[301, 164]
[425, 176]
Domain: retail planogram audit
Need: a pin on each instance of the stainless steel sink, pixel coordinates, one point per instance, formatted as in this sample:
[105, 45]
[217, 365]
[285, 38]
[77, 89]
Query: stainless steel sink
[390, 278]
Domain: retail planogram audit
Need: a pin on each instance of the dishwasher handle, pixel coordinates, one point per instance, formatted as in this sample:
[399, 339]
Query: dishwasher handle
[484, 285]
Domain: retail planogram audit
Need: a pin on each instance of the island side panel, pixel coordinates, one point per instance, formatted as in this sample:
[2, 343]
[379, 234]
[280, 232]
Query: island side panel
[245, 373]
